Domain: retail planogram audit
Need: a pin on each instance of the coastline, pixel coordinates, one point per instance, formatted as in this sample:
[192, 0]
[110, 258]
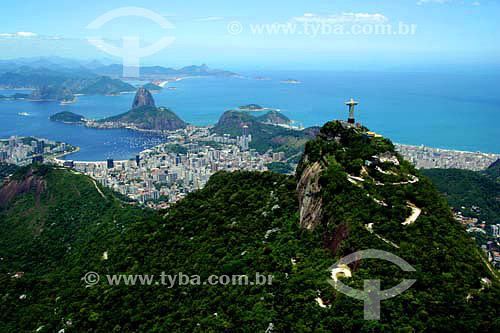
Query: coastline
[451, 150]
[161, 132]
[56, 157]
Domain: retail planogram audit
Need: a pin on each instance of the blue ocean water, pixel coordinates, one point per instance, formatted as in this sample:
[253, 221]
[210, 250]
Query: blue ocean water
[459, 110]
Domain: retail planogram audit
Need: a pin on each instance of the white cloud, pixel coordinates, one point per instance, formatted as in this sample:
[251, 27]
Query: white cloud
[211, 18]
[20, 34]
[26, 34]
[342, 18]
[422, 2]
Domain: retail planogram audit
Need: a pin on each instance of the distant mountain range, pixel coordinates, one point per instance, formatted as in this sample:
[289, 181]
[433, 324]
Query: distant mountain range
[105, 67]
[59, 79]
[61, 84]
[159, 71]
[53, 63]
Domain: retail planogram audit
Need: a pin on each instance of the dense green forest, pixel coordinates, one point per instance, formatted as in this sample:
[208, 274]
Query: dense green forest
[56, 226]
[280, 167]
[465, 188]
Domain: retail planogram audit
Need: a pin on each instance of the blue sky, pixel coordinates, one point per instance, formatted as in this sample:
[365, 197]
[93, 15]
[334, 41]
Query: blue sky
[447, 32]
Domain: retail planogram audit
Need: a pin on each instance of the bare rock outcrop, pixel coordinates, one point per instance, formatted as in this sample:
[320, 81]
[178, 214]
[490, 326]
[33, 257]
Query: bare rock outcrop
[310, 200]
[15, 188]
[143, 98]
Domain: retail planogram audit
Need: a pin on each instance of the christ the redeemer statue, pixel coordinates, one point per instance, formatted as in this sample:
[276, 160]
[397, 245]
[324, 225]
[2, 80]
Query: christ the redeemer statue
[352, 103]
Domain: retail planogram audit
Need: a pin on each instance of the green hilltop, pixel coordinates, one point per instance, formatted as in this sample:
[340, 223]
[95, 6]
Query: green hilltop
[149, 117]
[67, 117]
[105, 85]
[145, 115]
[275, 117]
[264, 136]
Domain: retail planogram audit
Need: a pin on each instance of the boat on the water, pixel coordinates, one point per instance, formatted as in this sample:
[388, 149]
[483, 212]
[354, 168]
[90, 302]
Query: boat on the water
[67, 102]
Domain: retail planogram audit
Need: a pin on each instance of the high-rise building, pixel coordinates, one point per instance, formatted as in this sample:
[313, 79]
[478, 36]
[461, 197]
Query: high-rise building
[37, 159]
[110, 163]
[245, 139]
[40, 147]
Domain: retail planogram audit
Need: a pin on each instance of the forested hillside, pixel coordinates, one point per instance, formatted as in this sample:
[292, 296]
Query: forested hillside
[477, 191]
[351, 192]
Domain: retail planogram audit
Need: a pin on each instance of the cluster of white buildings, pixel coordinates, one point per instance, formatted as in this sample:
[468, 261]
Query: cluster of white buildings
[427, 158]
[24, 150]
[166, 173]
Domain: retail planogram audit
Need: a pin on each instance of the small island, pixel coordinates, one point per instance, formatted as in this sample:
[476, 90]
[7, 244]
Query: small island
[290, 81]
[262, 78]
[251, 108]
[152, 87]
[68, 118]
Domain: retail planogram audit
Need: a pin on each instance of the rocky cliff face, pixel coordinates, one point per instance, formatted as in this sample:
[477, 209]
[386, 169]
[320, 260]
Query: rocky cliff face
[143, 98]
[346, 167]
[13, 188]
[310, 200]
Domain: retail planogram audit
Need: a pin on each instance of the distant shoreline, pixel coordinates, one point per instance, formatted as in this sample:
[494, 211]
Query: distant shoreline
[56, 157]
[449, 149]
[453, 151]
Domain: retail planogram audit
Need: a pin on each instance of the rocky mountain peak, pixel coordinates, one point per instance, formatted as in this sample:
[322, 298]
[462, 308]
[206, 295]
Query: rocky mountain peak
[143, 98]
